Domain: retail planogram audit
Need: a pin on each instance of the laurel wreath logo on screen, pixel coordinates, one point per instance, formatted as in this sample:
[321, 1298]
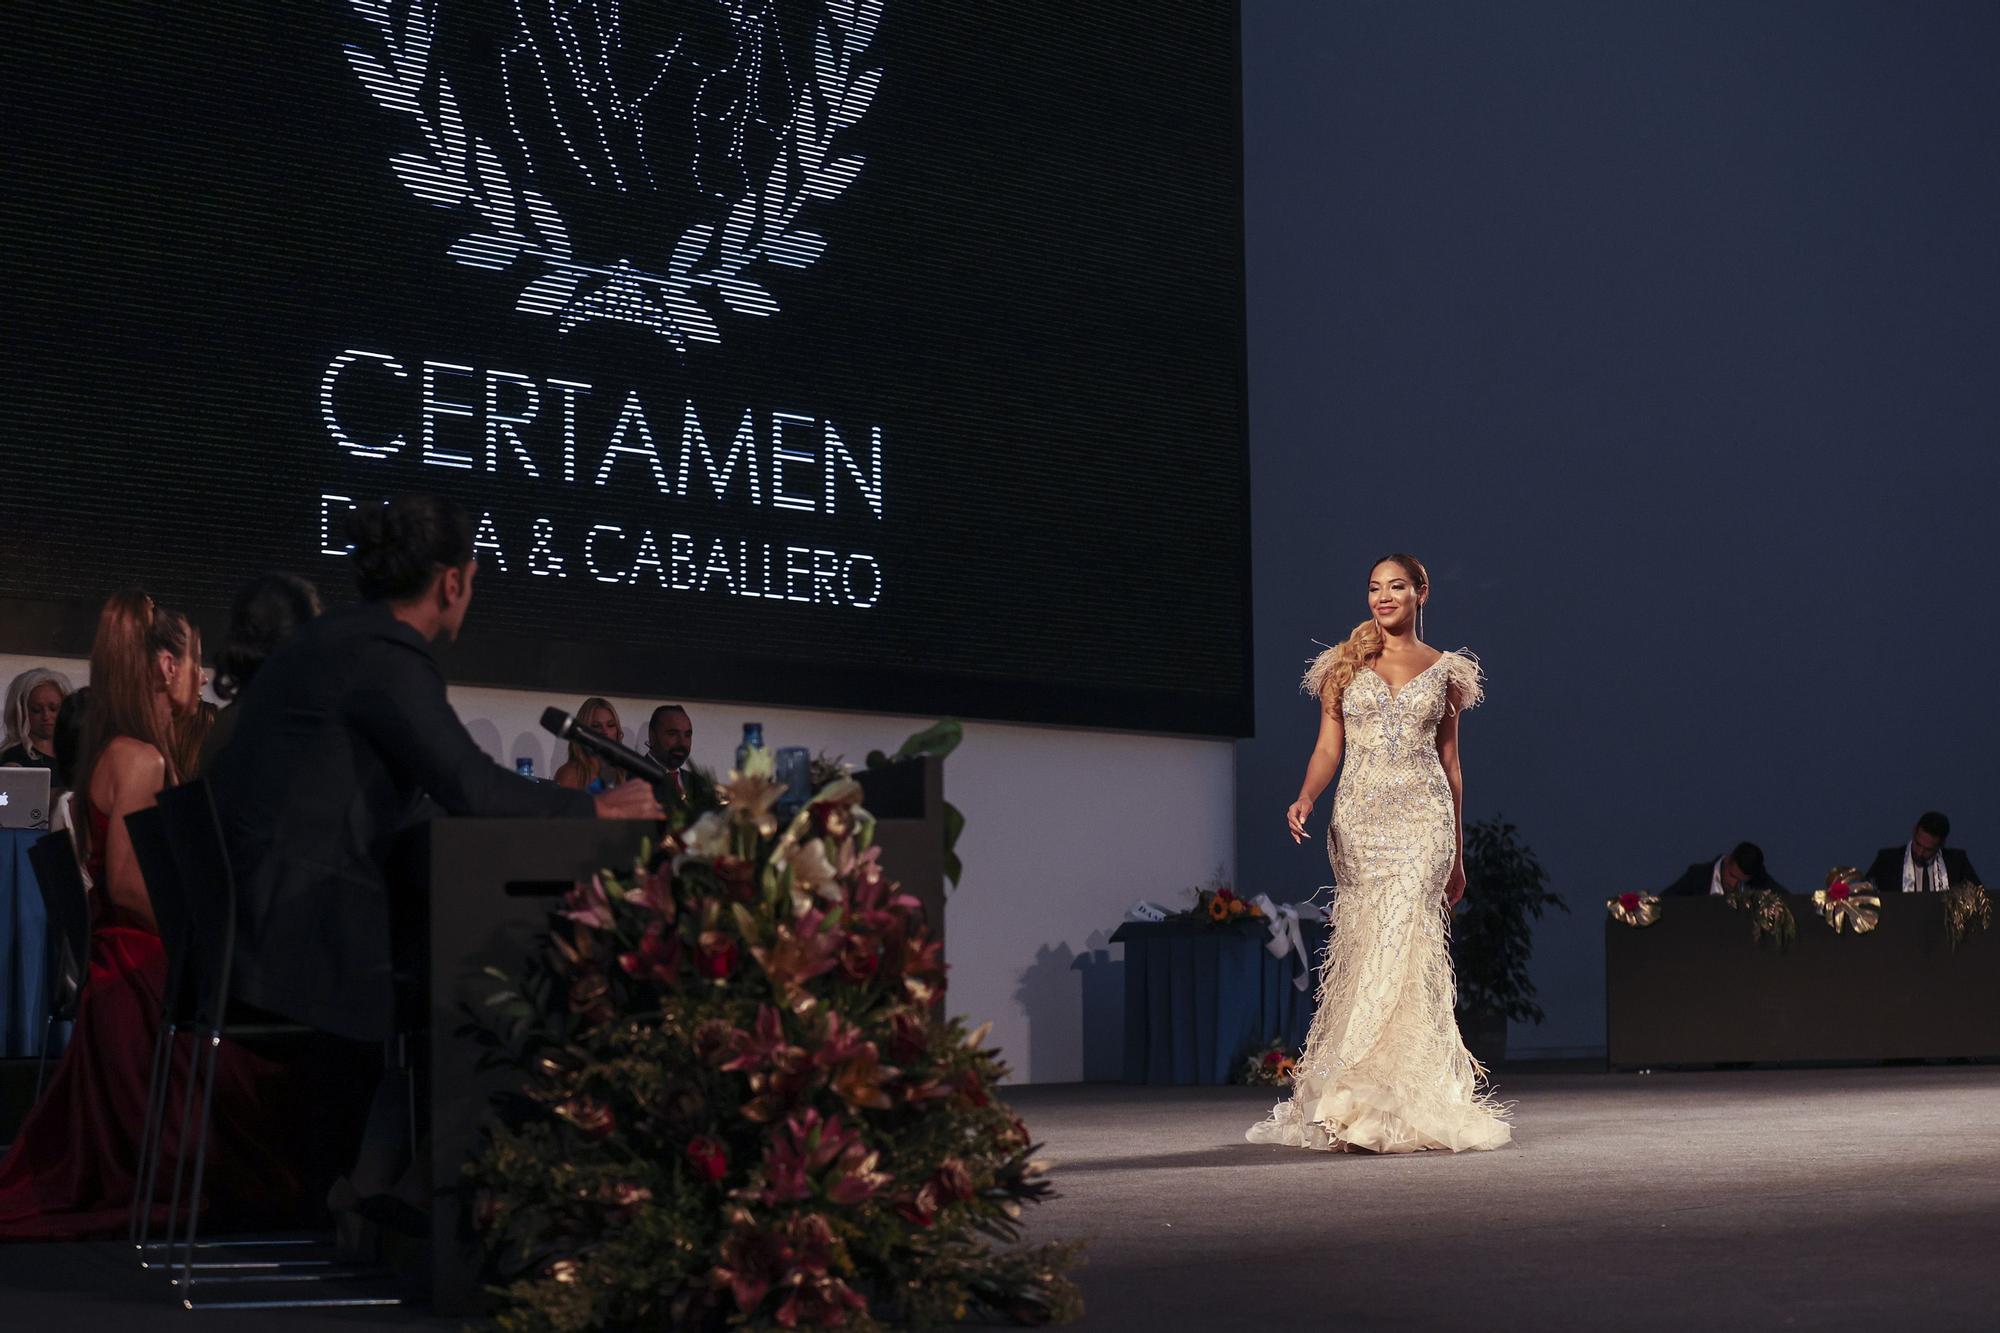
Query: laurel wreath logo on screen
[588, 93]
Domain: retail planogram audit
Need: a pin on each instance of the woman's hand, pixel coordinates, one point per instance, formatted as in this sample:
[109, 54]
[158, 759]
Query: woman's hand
[1454, 886]
[1296, 817]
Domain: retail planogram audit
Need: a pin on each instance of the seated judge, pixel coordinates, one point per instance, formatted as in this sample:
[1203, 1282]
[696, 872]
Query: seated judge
[1739, 868]
[1923, 864]
[583, 770]
[33, 699]
[345, 736]
[267, 611]
[669, 741]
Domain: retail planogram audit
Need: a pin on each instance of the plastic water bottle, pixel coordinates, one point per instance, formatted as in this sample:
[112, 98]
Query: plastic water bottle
[753, 740]
[525, 766]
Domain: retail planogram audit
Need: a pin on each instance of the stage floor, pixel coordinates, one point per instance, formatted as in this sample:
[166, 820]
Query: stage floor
[1855, 1198]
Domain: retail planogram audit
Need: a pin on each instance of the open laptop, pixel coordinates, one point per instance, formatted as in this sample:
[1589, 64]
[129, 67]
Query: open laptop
[24, 798]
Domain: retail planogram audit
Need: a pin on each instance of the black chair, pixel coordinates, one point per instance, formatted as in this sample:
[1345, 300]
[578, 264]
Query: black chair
[206, 883]
[66, 905]
[148, 832]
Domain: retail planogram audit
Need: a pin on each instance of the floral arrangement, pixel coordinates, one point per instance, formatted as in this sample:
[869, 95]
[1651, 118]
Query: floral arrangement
[1848, 900]
[1771, 919]
[1967, 908]
[1268, 1068]
[740, 1107]
[1218, 905]
[1634, 909]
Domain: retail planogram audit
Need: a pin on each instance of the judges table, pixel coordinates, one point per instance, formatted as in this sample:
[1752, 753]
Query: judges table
[1692, 989]
[23, 947]
[1200, 997]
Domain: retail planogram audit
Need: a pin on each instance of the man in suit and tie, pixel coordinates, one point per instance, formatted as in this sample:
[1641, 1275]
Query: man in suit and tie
[669, 741]
[1923, 864]
[1742, 867]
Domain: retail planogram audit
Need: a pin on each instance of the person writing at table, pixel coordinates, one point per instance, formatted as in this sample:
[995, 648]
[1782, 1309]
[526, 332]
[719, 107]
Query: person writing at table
[1923, 864]
[1741, 867]
[33, 700]
[347, 739]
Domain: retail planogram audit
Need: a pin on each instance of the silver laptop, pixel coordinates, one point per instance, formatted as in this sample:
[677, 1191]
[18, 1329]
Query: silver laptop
[24, 798]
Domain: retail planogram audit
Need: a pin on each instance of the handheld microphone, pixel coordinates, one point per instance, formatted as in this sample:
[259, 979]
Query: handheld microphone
[565, 728]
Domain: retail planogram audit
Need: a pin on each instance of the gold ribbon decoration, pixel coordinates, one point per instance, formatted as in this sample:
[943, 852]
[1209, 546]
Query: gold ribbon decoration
[1966, 908]
[1633, 909]
[1848, 900]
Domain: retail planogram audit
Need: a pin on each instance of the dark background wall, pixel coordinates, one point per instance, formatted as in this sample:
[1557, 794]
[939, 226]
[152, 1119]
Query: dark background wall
[1666, 335]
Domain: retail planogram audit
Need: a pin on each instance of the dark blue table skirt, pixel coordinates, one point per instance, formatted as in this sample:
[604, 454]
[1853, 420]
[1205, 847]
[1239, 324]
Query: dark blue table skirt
[23, 952]
[1199, 998]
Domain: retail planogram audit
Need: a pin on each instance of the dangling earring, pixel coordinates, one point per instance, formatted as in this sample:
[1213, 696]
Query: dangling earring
[1420, 620]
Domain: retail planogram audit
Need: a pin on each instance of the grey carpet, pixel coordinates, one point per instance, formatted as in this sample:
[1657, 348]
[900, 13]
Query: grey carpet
[1828, 1199]
[1817, 1199]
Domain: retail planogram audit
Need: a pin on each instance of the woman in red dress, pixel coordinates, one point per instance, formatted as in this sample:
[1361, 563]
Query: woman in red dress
[72, 1171]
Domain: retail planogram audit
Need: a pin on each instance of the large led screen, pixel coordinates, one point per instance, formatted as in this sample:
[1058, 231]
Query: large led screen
[879, 354]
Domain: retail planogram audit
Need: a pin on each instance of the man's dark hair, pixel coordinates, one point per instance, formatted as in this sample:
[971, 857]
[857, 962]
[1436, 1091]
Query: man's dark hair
[399, 547]
[265, 613]
[1749, 859]
[69, 735]
[662, 711]
[1934, 823]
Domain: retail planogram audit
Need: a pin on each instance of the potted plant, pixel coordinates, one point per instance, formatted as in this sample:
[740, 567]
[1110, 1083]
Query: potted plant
[1491, 938]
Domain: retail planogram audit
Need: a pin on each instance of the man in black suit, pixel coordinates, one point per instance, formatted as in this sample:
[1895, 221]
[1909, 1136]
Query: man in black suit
[347, 731]
[1924, 863]
[669, 741]
[1742, 867]
[347, 739]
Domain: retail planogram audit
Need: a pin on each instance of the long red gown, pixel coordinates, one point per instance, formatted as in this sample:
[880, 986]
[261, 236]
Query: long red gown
[72, 1171]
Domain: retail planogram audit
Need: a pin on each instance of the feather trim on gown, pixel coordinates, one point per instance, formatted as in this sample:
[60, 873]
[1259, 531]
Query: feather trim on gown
[1384, 1067]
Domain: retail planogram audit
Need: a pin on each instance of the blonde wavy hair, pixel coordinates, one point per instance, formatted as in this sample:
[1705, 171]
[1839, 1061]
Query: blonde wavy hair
[1333, 670]
[593, 767]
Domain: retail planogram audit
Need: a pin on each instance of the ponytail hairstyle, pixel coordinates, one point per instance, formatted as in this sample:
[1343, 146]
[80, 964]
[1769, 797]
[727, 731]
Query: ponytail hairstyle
[124, 682]
[1333, 670]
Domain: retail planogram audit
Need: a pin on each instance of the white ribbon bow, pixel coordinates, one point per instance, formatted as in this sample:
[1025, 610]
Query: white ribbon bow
[1286, 938]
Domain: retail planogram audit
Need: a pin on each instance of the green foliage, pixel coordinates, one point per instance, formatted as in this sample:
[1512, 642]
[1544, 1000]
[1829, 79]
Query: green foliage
[738, 1105]
[935, 741]
[1491, 939]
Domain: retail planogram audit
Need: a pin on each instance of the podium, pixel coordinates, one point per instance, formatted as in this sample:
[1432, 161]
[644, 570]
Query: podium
[477, 893]
[486, 887]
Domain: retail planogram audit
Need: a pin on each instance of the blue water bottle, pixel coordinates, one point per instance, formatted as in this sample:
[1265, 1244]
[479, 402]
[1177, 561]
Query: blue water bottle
[525, 766]
[753, 739]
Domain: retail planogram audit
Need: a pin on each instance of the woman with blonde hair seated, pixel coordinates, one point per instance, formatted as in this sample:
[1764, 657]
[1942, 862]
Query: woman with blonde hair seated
[583, 770]
[33, 700]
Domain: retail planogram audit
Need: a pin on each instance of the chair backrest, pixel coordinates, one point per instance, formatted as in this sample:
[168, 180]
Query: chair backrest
[164, 887]
[68, 911]
[194, 832]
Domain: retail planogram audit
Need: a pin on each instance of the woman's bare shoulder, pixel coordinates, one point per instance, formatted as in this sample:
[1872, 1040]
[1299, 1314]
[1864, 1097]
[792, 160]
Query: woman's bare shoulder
[128, 754]
[128, 774]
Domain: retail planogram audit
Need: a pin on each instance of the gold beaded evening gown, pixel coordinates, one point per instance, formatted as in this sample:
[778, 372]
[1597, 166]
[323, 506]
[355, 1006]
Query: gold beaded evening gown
[1383, 1067]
